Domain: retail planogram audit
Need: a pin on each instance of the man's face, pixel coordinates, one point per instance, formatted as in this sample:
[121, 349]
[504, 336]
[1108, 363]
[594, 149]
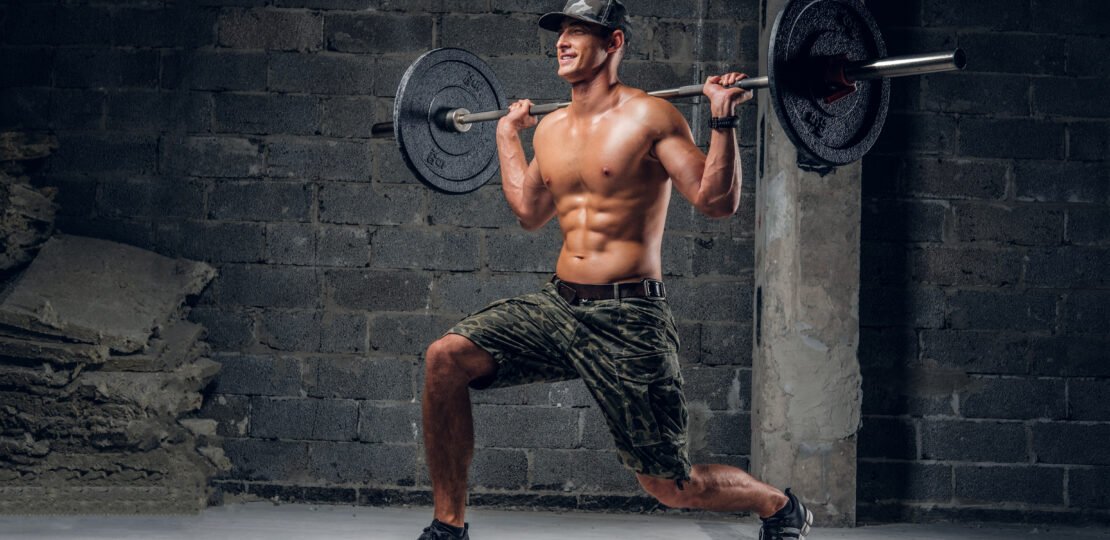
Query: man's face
[581, 49]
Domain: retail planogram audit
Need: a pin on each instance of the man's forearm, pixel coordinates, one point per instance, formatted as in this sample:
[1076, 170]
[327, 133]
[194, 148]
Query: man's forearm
[514, 167]
[720, 182]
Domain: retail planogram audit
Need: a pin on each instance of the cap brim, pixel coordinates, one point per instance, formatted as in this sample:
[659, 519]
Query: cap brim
[554, 21]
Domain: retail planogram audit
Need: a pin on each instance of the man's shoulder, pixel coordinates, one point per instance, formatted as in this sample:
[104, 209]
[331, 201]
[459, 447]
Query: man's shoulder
[655, 111]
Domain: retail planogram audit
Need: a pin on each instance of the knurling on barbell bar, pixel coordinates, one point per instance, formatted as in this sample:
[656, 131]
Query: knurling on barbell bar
[828, 77]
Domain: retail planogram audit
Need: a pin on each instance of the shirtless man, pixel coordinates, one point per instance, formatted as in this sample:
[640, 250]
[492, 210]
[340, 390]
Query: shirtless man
[604, 166]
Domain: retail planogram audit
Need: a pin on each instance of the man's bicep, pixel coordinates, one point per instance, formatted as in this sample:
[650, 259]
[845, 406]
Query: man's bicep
[682, 159]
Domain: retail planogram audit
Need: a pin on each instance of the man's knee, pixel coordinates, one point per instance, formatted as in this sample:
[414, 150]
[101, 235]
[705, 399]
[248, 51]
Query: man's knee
[456, 358]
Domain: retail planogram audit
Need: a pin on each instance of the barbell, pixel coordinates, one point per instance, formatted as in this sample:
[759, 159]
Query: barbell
[828, 76]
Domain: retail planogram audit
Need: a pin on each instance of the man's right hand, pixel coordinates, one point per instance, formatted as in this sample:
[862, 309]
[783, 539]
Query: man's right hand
[518, 117]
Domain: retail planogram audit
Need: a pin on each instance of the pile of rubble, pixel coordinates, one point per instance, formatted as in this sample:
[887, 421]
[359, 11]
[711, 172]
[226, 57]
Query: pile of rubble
[27, 218]
[99, 373]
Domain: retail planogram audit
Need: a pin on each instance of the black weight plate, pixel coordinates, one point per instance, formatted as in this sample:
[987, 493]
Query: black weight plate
[828, 134]
[439, 81]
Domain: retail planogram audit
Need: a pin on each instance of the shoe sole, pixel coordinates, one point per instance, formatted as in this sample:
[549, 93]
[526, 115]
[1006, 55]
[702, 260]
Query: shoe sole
[806, 525]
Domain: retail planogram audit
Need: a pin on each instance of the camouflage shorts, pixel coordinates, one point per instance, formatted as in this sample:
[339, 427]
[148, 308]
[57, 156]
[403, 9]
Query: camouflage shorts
[626, 351]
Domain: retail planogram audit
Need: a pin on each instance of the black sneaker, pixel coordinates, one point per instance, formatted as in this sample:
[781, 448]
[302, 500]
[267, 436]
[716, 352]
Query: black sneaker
[439, 530]
[790, 523]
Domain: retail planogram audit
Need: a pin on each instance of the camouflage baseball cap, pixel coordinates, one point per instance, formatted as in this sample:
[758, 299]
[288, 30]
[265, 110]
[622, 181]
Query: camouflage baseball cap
[608, 13]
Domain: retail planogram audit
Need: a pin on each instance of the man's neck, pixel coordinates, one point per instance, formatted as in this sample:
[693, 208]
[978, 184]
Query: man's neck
[595, 95]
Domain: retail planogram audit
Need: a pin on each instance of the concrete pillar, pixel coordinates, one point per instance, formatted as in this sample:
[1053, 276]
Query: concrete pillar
[806, 378]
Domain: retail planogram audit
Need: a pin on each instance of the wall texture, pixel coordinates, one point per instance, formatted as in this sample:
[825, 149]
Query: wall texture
[237, 132]
[986, 268]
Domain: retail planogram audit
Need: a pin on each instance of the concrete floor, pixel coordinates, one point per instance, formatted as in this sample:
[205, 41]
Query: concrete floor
[265, 521]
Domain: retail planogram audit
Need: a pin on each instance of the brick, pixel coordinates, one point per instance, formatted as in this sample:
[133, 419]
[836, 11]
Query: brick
[406, 334]
[918, 133]
[884, 263]
[25, 108]
[1087, 400]
[1088, 225]
[212, 242]
[86, 68]
[886, 348]
[1090, 487]
[989, 310]
[530, 78]
[669, 9]
[232, 414]
[260, 201]
[116, 153]
[499, 469]
[913, 221]
[366, 204]
[904, 482]
[1071, 16]
[966, 266]
[389, 422]
[323, 74]
[526, 394]
[1053, 181]
[955, 13]
[81, 25]
[1068, 268]
[580, 471]
[353, 5]
[28, 23]
[303, 419]
[977, 93]
[524, 251]
[1018, 399]
[258, 375]
[313, 331]
[729, 433]
[225, 329]
[469, 292]
[266, 114]
[378, 291]
[164, 27]
[343, 246]
[1026, 225]
[215, 70]
[226, 157]
[1071, 97]
[79, 109]
[431, 6]
[361, 463]
[501, 426]
[912, 306]
[389, 71]
[719, 389]
[259, 460]
[486, 208]
[1070, 356]
[360, 378]
[376, 33]
[1016, 53]
[493, 35]
[1011, 138]
[659, 75]
[888, 438]
[708, 301]
[395, 247]
[25, 66]
[743, 10]
[291, 243]
[1064, 442]
[915, 392]
[143, 110]
[130, 198]
[353, 116]
[724, 344]
[265, 286]
[320, 159]
[999, 442]
[271, 30]
[718, 255]
[1087, 312]
[1086, 54]
[572, 393]
[1032, 485]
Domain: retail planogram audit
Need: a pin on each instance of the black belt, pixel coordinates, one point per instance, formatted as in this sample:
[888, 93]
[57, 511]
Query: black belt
[573, 292]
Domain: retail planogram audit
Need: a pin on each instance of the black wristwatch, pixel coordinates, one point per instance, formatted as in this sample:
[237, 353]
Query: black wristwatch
[724, 122]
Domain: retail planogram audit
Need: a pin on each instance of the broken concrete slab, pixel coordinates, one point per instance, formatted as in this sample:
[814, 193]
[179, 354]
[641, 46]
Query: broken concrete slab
[176, 345]
[21, 146]
[101, 292]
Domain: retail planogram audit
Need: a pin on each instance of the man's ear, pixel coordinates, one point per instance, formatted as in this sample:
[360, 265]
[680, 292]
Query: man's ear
[616, 41]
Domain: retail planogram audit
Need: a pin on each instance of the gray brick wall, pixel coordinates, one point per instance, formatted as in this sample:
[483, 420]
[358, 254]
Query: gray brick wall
[238, 132]
[986, 256]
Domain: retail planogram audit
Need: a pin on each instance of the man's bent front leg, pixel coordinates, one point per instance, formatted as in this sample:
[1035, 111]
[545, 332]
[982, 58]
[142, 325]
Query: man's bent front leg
[450, 364]
[718, 488]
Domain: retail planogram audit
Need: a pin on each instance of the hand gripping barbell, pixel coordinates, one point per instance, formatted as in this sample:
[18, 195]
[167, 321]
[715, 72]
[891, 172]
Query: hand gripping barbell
[828, 77]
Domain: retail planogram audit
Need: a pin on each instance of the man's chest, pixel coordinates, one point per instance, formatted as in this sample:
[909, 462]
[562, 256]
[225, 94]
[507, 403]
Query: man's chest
[599, 160]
